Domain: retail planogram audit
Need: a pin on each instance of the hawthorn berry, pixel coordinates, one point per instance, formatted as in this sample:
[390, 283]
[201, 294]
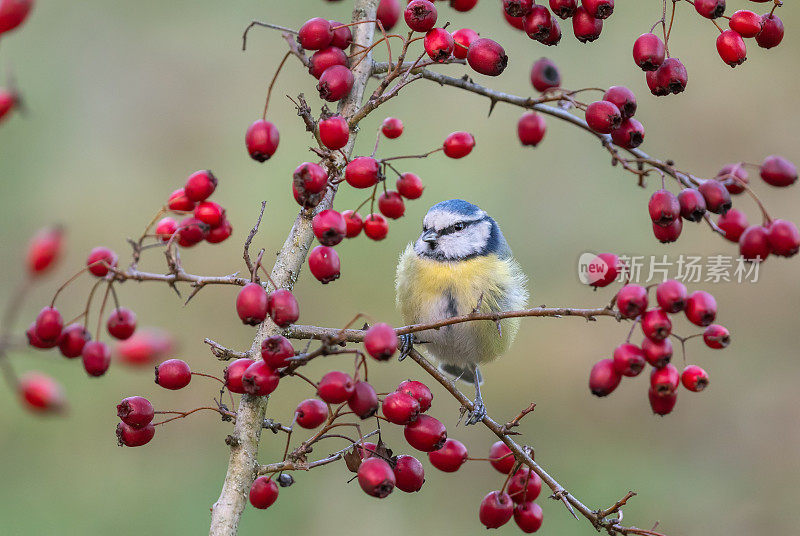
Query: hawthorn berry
[173, 374]
[733, 223]
[599, 9]
[734, 177]
[376, 227]
[388, 13]
[450, 457]
[771, 33]
[487, 57]
[35, 341]
[670, 77]
[656, 325]
[419, 391]
[528, 516]
[463, 5]
[367, 450]
[664, 207]
[537, 22]
[135, 411]
[778, 171]
[72, 340]
[259, 379]
[334, 132]
[362, 172]
[165, 228]
[518, 8]
[693, 204]
[41, 393]
[425, 433]
[100, 260]
[710, 9]
[200, 185]
[716, 337]
[364, 402]
[745, 23]
[409, 474]
[335, 387]
[657, 353]
[44, 250]
[329, 227]
[515, 22]
[353, 223]
[191, 232]
[604, 378]
[701, 308]
[134, 437]
[501, 458]
[603, 116]
[400, 408]
[276, 351]
[311, 413]
[718, 199]
[754, 243]
[671, 296]
[9, 100]
[458, 144]
[694, 378]
[629, 360]
[731, 48]
[145, 347]
[783, 238]
[251, 304]
[342, 36]
[554, 35]
[665, 380]
[649, 52]
[545, 75]
[391, 205]
[324, 264]
[531, 128]
[335, 83]
[96, 358]
[609, 266]
[376, 478]
[381, 341]
[495, 510]
[409, 185]
[524, 486]
[310, 178]
[623, 98]
[632, 300]
[439, 44]
[13, 13]
[263, 492]
[261, 140]
[321, 60]
[121, 323]
[662, 405]
[586, 27]
[392, 127]
[283, 308]
[179, 202]
[462, 39]
[564, 8]
[233, 375]
[420, 15]
[629, 135]
[220, 233]
[315, 34]
[49, 324]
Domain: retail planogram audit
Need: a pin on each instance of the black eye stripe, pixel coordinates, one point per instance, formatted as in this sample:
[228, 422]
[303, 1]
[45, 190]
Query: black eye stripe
[454, 228]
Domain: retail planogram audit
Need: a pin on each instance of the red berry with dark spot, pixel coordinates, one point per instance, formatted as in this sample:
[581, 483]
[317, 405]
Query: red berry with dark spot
[35, 341]
[537, 22]
[554, 35]
[632, 300]
[524, 486]
[261, 140]
[233, 375]
[420, 15]
[41, 393]
[657, 353]
[600, 9]
[671, 77]
[564, 8]
[219, 233]
[664, 207]
[335, 387]
[656, 325]
[121, 323]
[450, 457]
[531, 128]
[200, 185]
[321, 60]
[662, 405]
[778, 171]
[458, 144]
[376, 227]
[324, 264]
[391, 205]
[718, 199]
[665, 380]
[754, 243]
[259, 379]
[72, 340]
[263, 492]
[342, 36]
[165, 228]
[462, 39]
[353, 222]
[629, 360]
[518, 8]
[400, 408]
[545, 75]
[733, 223]
[376, 478]
[528, 517]
[515, 22]
[419, 391]
[334, 132]
[607, 267]
[710, 9]
[310, 178]
[694, 378]
[604, 378]
[364, 402]
[96, 358]
[734, 177]
[463, 5]
[251, 304]
[49, 324]
[380, 341]
[276, 351]
[135, 411]
[649, 52]
[335, 83]
[283, 308]
[746, 23]
[100, 260]
[629, 135]
[783, 237]
[671, 296]
[129, 436]
[409, 474]
[13, 13]
[496, 509]
[311, 413]
[586, 27]
[701, 308]
[501, 458]
[603, 116]
[44, 250]
[329, 227]
[716, 337]
[623, 98]
[693, 204]
[362, 172]
[315, 34]
[771, 31]
[487, 57]
[179, 202]
[388, 13]
[392, 127]
[409, 185]
[173, 374]
[731, 48]
[425, 433]
[439, 44]
[191, 232]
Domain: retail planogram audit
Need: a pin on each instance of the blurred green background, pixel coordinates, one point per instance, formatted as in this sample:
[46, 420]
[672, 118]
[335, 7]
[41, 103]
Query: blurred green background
[127, 98]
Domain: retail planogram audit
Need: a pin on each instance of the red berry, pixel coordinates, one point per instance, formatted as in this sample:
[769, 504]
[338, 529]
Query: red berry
[496, 509]
[259, 379]
[35, 341]
[487, 57]
[263, 492]
[746, 23]
[528, 517]
[134, 437]
[462, 39]
[629, 135]
[191, 232]
[665, 380]
[96, 358]
[261, 140]
[671, 77]
[376, 478]
[537, 23]
[165, 228]
[173, 374]
[72, 340]
[283, 308]
[629, 360]
[135, 411]
[100, 260]
[364, 402]
[463, 5]
[409, 186]
[656, 325]
[44, 250]
[329, 227]
[276, 351]
[545, 75]
[310, 178]
[731, 48]
[409, 474]
[179, 202]
[335, 387]
[376, 227]
[391, 205]
[604, 378]
[458, 144]
[649, 52]
[501, 458]
[41, 393]
[400, 408]
[517, 8]
[420, 15]
[315, 34]
[733, 223]
[251, 304]
[439, 45]
[362, 172]
[515, 22]
[367, 450]
[778, 171]
[603, 116]
[392, 127]
[311, 413]
[605, 269]
[754, 243]
[710, 9]
[632, 300]
[531, 128]
[321, 60]
[693, 204]
[353, 222]
[323, 262]
[9, 100]
[783, 237]
[450, 457]
[701, 308]
[334, 132]
[425, 433]
[13, 13]
[718, 199]
[586, 27]
[342, 36]
[662, 405]
[671, 296]
[335, 83]
[219, 233]
[657, 353]
[233, 375]
[200, 185]
[734, 177]
[554, 36]
[771, 31]
[388, 13]
[121, 323]
[564, 8]
[524, 486]
[49, 324]
[623, 98]
[419, 391]
[145, 347]
[600, 9]
[716, 337]
[694, 378]
[380, 341]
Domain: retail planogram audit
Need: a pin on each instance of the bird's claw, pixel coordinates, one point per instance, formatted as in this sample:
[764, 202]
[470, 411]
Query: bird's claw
[406, 345]
[477, 414]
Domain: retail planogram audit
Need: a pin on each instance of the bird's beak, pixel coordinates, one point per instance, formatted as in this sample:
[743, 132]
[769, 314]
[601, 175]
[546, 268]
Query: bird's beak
[430, 237]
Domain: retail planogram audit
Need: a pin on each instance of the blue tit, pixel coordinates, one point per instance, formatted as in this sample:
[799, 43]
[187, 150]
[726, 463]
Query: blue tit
[461, 263]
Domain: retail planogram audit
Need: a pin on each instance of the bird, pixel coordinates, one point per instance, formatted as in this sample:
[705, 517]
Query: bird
[460, 264]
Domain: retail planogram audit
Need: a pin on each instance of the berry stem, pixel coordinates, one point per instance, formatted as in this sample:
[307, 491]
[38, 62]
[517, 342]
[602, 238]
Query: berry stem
[272, 83]
[264, 25]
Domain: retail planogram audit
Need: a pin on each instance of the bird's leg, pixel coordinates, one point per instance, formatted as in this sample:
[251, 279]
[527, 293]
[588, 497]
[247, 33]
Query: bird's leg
[477, 308]
[406, 345]
[478, 409]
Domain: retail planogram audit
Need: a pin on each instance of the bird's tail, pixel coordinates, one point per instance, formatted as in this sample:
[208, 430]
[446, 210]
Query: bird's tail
[461, 373]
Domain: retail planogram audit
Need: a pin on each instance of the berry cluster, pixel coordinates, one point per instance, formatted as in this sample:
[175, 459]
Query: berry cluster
[12, 14]
[540, 24]
[207, 220]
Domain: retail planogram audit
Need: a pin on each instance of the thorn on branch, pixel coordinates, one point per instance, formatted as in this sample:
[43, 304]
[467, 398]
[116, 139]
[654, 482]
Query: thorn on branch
[252, 234]
[513, 423]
